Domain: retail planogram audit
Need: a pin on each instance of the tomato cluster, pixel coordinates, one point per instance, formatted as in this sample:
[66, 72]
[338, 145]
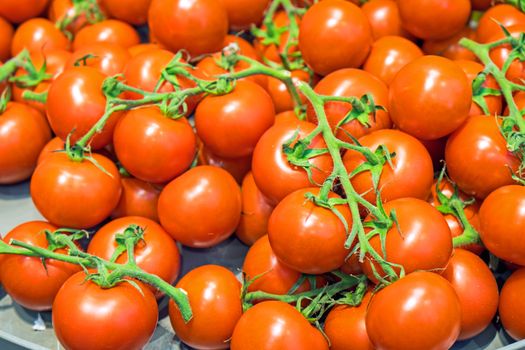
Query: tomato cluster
[369, 153]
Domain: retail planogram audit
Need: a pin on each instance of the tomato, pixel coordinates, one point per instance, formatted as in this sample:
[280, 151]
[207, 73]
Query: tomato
[107, 58]
[26, 279]
[214, 294]
[476, 146]
[285, 117]
[171, 144]
[140, 48]
[38, 34]
[504, 14]
[434, 19]
[410, 176]
[519, 99]
[476, 289]
[75, 102]
[197, 26]
[103, 315]
[242, 14]
[130, 11]
[256, 210]
[511, 305]
[54, 145]
[279, 92]
[75, 194]
[430, 97]
[237, 167]
[500, 54]
[494, 103]
[502, 219]
[201, 192]
[65, 10]
[245, 47]
[352, 83]
[273, 174]
[420, 311]
[138, 198]
[324, 40]
[23, 133]
[384, 18]
[420, 240]
[109, 31]
[450, 48]
[388, 55]
[6, 37]
[18, 11]
[345, 326]
[276, 325]
[307, 237]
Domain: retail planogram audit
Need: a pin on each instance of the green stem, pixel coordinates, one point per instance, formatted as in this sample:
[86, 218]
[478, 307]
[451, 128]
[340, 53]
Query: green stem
[10, 67]
[29, 95]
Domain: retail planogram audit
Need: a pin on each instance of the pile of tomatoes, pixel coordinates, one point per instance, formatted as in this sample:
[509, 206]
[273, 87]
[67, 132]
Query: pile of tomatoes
[370, 154]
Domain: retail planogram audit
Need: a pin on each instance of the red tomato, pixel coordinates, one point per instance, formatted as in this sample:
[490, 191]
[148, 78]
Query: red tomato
[237, 167]
[26, 279]
[75, 194]
[23, 133]
[421, 239]
[504, 14]
[61, 10]
[384, 18]
[476, 146]
[215, 298]
[109, 31]
[131, 11]
[388, 55]
[279, 92]
[107, 58]
[38, 34]
[519, 99]
[324, 40]
[430, 97]
[6, 37]
[55, 144]
[201, 192]
[245, 47]
[138, 198]
[511, 305]
[500, 54]
[476, 289]
[434, 19]
[273, 51]
[18, 11]
[104, 315]
[307, 237]
[197, 26]
[273, 174]
[420, 311]
[171, 144]
[450, 48]
[244, 13]
[209, 69]
[140, 48]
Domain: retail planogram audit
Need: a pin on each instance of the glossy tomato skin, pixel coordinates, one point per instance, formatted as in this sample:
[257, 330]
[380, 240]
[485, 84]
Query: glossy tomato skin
[243, 13]
[480, 142]
[500, 54]
[64, 10]
[307, 237]
[410, 176]
[108, 59]
[214, 294]
[6, 37]
[450, 47]
[511, 305]
[139, 198]
[104, 314]
[257, 329]
[434, 19]
[384, 18]
[54, 145]
[131, 11]
[201, 192]
[324, 40]
[198, 26]
[38, 34]
[76, 102]
[476, 289]
[420, 311]
[142, 47]
[430, 97]
[237, 167]
[171, 144]
[388, 55]
[109, 31]
[23, 133]
[273, 174]
[281, 97]
[505, 14]
[16, 11]
[272, 52]
[26, 279]
[75, 194]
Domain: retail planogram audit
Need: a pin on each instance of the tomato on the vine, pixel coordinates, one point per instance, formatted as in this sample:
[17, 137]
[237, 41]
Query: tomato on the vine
[131, 11]
[384, 18]
[504, 14]
[6, 37]
[139, 198]
[109, 31]
[18, 11]
[107, 58]
[38, 34]
[511, 305]
[450, 47]
[242, 14]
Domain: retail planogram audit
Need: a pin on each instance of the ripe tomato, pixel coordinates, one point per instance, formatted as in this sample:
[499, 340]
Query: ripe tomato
[430, 97]
[324, 40]
[140, 48]
[450, 48]
[26, 279]
[237, 167]
[398, 315]
[519, 99]
[502, 218]
[245, 47]
[55, 144]
[384, 18]
[38, 34]
[201, 192]
[478, 145]
[104, 315]
[65, 10]
[410, 176]
[23, 133]
[345, 326]
[75, 194]
[257, 329]
[131, 11]
[421, 239]
[388, 55]
[307, 237]
[109, 31]
[356, 83]
[107, 58]
[511, 305]
[214, 294]
[171, 144]
[197, 26]
[6, 38]
[279, 92]
[244, 13]
[504, 14]
[476, 289]
[18, 11]
[139, 198]
[500, 54]
[434, 19]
